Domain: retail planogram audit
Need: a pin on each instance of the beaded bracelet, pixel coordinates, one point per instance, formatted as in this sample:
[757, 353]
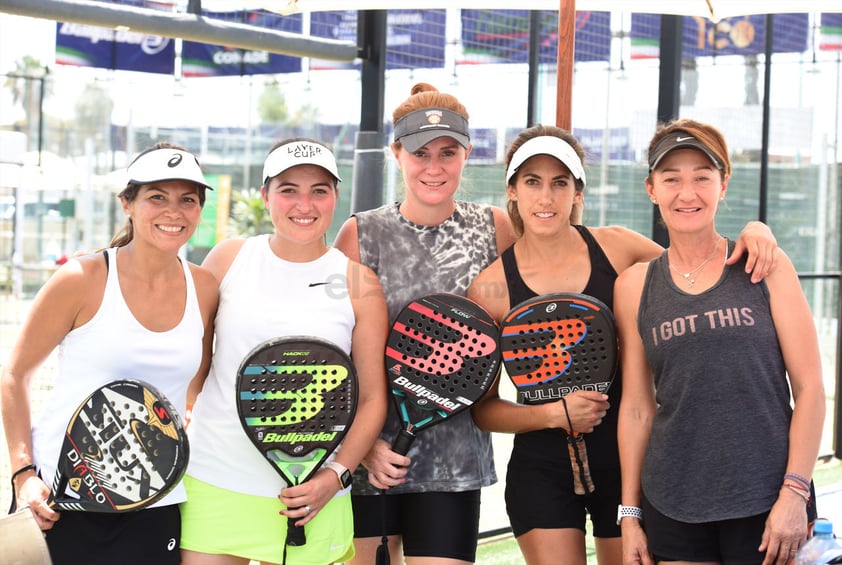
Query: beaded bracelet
[795, 477]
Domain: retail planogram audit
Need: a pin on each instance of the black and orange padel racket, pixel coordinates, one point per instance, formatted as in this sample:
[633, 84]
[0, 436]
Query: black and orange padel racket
[555, 344]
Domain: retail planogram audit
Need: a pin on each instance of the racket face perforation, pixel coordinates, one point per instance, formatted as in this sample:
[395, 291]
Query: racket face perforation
[124, 449]
[555, 344]
[296, 398]
[443, 341]
[441, 356]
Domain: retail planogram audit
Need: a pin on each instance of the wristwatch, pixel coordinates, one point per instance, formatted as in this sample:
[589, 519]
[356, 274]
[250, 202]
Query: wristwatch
[344, 475]
[628, 512]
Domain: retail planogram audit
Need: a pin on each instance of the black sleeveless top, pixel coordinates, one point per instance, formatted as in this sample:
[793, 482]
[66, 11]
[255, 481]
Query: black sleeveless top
[549, 445]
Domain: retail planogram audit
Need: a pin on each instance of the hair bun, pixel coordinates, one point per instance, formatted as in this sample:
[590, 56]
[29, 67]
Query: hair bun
[423, 87]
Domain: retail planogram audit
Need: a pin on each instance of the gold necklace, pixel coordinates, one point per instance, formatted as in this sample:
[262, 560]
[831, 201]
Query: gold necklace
[689, 275]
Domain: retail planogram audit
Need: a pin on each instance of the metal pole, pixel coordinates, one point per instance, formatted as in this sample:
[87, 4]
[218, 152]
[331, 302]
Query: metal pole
[762, 211]
[369, 158]
[669, 94]
[532, 108]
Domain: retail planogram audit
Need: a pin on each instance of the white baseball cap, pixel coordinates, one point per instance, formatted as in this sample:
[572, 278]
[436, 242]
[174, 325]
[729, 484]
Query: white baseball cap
[165, 164]
[297, 153]
[547, 145]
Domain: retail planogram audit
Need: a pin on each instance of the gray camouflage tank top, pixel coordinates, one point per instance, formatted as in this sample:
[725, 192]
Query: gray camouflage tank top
[413, 260]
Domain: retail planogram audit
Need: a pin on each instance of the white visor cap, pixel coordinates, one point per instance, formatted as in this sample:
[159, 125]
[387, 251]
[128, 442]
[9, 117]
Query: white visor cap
[297, 153]
[547, 145]
[166, 164]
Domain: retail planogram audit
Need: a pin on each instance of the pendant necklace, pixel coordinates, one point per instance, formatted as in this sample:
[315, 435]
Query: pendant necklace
[690, 276]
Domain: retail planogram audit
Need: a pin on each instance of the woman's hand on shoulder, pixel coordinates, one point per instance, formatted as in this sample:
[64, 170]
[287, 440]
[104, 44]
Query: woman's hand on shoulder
[758, 241]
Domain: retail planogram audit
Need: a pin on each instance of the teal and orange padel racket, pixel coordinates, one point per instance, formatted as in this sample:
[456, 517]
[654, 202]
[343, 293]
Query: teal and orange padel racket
[296, 398]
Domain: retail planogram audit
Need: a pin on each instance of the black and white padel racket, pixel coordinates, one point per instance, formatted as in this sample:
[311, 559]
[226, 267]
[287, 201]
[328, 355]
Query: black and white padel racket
[124, 449]
[555, 344]
[296, 397]
[442, 355]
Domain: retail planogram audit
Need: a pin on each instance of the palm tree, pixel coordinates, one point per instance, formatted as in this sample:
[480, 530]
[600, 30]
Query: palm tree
[249, 214]
[20, 82]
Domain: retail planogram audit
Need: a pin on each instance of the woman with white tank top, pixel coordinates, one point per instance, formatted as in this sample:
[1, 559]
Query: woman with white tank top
[289, 282]
[136, 310]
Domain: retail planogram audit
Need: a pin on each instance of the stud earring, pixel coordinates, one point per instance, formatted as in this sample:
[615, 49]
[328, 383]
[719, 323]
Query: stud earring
[655, 202]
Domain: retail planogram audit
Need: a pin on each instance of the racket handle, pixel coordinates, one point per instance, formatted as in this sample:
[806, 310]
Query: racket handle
[295, 534]
[582, 482]
[403, 442]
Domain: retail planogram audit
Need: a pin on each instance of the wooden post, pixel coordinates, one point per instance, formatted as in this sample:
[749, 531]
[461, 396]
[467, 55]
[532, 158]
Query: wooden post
[564, 80]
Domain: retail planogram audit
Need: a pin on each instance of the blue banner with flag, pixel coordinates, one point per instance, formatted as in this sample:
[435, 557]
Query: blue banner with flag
[502, 36]
[415, 38]
[205, 60]
[91, 46]
[745, 35]
[830, 38]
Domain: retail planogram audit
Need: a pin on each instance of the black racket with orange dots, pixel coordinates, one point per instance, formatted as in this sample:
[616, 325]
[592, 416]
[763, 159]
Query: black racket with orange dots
[556, 344]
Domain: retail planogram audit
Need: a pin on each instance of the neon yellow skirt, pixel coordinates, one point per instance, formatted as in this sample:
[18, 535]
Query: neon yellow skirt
[219, 521]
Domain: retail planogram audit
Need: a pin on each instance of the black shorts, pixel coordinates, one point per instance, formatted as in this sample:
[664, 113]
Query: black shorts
[132, 538]
[539, 495]
[726, 541]
[432, 524]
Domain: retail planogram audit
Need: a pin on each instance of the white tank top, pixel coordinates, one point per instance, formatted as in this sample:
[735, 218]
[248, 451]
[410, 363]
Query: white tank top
[261, 297]
[114, 345]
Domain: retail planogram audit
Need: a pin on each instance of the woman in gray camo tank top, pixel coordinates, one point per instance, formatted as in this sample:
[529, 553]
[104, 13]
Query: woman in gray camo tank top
[427, 502]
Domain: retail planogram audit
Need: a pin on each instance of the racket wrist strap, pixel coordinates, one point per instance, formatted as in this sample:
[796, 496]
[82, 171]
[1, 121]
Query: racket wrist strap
[20, 471]
[24, 469]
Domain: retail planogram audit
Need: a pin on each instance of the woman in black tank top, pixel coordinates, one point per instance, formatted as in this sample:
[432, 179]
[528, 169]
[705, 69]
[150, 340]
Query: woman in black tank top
[554, 253]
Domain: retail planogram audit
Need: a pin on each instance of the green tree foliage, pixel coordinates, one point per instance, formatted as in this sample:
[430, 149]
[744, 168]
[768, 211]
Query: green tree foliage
[249, 215]
[272, 105]
[93, 115]
[25, 83]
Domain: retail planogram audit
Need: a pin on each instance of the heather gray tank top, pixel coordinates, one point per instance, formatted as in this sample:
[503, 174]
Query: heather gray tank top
[719, 442]
[413, 260]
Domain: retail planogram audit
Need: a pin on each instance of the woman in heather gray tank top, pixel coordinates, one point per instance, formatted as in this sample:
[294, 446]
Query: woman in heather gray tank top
[705, 419]
[429, 242]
